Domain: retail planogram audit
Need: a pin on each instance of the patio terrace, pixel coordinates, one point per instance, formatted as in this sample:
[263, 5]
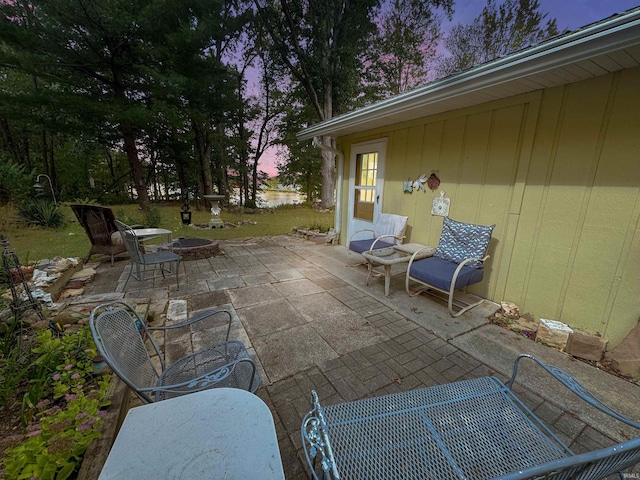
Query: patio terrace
[311, 323]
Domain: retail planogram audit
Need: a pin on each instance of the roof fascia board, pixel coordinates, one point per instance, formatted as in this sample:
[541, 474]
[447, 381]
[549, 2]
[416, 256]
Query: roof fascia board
[619, 32]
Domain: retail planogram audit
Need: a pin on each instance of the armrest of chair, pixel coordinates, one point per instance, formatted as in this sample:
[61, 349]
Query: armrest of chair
[594, 464]
[316, 439]
[383, 237]
[197, 317]
[574, 386]
[362, 230]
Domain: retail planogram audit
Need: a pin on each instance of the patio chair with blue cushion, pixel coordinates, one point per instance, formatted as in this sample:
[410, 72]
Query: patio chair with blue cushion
[458, 262]
[124, 340]
[141, 260]
[388, 230]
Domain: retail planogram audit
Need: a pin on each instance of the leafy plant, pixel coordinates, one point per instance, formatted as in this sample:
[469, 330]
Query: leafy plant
[56, 441]
[250, 203]
[321, 225]
[15, 182]
[125, 217]
[62, 405]
[152, 216]
[42, 213]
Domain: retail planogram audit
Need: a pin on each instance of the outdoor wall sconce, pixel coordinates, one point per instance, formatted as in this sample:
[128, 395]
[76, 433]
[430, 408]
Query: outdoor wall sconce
[39, 188]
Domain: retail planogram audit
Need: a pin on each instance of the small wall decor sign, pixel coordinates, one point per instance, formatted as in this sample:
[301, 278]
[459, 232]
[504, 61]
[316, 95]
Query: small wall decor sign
[440, 205]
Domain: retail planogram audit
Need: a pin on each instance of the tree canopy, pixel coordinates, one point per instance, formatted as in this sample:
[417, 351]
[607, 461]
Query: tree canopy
[500, 29]
[116, 98]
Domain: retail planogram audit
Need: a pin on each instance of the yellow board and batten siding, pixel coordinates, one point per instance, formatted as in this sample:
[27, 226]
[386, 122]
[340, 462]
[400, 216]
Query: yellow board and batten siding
[558, 172]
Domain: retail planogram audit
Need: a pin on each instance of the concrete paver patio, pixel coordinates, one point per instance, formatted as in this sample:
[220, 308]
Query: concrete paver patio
[312, 323]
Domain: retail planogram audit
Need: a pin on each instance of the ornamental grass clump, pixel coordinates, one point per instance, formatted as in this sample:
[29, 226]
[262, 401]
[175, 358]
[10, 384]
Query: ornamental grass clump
[63, 405]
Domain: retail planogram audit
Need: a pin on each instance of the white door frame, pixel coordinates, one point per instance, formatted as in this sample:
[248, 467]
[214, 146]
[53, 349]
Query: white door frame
[380, 146]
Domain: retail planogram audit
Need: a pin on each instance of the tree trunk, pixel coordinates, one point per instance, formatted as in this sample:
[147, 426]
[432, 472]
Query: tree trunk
[203, 155]
[134, 162]
[328, 165]
[9, 142]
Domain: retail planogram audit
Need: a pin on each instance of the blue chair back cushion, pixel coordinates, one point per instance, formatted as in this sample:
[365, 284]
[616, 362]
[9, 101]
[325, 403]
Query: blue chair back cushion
[459, 241]
[439, 273]
[360, 246]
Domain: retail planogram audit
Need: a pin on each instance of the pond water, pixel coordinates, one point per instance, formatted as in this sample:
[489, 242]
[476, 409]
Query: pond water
[273, 198]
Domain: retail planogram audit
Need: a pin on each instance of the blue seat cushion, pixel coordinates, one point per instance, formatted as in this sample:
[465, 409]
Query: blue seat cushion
[439, 273]
[360, 246]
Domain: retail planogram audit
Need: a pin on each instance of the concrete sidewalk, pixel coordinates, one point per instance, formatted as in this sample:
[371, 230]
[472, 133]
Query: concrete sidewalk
[311, 323]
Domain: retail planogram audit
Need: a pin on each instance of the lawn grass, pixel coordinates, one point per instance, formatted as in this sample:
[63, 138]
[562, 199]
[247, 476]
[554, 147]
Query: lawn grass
[35, 243]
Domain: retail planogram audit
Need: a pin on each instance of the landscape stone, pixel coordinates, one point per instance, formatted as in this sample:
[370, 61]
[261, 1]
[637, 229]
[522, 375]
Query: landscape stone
[525, 324]
[71, 292]
[553, 333]
[625, 358]
[510, 310]
[585, 346]
[177, 310]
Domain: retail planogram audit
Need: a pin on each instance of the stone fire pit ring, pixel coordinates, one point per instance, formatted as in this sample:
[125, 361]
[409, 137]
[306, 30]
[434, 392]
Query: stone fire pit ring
[195, 248]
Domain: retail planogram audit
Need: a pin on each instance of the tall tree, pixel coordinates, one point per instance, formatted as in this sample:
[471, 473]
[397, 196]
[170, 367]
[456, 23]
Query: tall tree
[298, 163]
[499, 30]
[404, 45]
[125, 65]
[321, 43]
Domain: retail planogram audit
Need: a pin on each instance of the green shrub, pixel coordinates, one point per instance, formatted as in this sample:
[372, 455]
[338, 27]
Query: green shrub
[42, 213]
[152, 217]
[250, 203]
[122, 215]
[15, 183]
[62, 405]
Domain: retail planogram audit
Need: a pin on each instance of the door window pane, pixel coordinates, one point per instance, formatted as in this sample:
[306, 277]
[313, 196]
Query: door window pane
[366, 177]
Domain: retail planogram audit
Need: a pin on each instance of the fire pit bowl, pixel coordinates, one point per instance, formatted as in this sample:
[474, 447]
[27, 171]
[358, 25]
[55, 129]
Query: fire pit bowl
[194, 248]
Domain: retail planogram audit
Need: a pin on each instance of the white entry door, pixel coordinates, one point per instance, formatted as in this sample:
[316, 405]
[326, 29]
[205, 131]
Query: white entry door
[366, 180]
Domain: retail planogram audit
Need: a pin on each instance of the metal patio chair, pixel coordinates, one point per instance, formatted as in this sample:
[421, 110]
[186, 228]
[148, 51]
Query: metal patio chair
[140, 259]
[125, 342]
[388, 230]
[475, 429]
[457, 263]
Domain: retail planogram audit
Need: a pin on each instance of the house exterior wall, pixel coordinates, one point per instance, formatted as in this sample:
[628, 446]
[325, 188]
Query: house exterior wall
[558, 172]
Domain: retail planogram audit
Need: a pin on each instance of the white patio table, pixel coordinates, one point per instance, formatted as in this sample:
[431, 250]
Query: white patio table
[222, 433]
[390, 256]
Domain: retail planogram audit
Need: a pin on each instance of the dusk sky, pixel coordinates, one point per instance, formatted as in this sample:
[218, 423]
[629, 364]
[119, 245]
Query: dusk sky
[570, 14]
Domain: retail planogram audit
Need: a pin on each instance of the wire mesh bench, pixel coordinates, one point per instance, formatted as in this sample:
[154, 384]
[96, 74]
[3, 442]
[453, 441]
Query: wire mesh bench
[471, 429]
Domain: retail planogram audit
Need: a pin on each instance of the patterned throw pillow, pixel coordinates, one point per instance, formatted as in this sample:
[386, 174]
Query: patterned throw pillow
[459, 241]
